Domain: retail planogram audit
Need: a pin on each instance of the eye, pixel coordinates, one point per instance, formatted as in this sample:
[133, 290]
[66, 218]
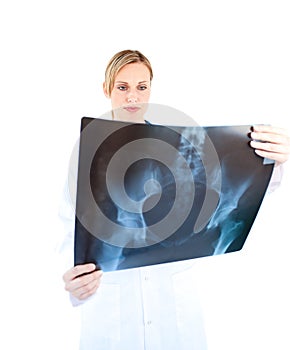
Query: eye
[122, 87]
[142, 87]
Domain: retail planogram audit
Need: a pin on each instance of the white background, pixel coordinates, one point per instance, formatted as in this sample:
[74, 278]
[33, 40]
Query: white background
[219, 62]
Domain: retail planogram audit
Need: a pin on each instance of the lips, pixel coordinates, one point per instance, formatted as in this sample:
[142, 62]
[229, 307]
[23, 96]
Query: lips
[132, 109]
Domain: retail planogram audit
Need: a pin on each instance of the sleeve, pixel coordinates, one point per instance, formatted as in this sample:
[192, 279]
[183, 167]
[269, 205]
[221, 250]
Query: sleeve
[276, 178]
[66, 214]
[66, 244]
[67, 217]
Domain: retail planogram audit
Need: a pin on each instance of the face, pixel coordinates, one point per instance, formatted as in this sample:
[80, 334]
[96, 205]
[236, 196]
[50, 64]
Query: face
[131, 93]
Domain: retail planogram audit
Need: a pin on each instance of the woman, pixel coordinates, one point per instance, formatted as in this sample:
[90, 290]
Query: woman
[146, 307]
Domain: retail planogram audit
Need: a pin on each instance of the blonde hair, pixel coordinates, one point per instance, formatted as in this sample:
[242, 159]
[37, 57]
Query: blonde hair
[121, 59]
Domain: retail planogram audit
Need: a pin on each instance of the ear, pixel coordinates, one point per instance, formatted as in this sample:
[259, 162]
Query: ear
[105, 90]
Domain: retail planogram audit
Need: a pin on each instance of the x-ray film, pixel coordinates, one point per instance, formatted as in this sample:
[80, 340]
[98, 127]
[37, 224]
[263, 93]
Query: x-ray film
[151, 194]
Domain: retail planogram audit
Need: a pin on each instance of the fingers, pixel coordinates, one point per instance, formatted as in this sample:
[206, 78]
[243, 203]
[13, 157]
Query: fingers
[270, 147]
[271, 142]
[270, 129]
[279, 157]
[88, 290]
[77, 271]
[85, 286]
[82, 281]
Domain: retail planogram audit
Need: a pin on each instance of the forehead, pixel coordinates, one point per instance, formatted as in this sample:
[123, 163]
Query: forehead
[133, 72]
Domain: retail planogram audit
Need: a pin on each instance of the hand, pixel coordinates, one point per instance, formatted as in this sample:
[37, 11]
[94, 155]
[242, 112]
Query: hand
[275, 145]
[82, 281]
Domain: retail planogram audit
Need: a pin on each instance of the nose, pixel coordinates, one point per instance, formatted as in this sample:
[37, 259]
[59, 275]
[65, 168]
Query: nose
[132, 99]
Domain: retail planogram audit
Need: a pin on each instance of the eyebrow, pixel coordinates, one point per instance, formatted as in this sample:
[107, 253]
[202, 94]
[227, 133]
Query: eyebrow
[124, 82]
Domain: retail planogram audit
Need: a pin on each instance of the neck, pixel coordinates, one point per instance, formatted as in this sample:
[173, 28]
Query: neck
[134, 119]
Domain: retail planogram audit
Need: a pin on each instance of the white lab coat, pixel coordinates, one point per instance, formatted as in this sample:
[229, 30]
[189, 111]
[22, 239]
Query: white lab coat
[153, 308]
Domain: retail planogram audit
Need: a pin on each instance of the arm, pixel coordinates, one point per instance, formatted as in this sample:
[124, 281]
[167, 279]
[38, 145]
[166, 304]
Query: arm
[80, 281]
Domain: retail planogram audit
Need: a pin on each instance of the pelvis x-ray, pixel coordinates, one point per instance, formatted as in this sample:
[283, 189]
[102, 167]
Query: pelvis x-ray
[151, 194]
